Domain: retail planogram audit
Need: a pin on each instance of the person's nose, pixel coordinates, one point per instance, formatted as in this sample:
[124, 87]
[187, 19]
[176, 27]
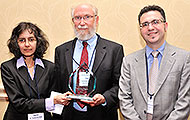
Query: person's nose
[27, 43]
[150, 26]
[82, 22]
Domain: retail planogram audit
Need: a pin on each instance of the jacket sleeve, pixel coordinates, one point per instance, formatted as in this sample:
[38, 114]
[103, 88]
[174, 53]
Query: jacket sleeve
[125, 94]
[111, 94]
[182, 106]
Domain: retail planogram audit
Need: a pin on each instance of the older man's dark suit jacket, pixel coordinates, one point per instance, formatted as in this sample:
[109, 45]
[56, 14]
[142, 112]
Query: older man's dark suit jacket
[106, 67]
[22, 98]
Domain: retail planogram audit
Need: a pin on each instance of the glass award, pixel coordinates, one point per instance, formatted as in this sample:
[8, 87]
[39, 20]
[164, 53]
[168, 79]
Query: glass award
[87, 83]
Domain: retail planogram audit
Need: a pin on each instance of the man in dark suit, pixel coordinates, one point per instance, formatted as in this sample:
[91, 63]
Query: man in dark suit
[104, 60]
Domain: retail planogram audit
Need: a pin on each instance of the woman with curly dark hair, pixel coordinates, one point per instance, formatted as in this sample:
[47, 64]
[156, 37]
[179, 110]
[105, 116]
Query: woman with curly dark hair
[28, 78]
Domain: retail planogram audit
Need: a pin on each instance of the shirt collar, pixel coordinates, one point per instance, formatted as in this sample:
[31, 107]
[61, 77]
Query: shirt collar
[20, 62]
[91, 42]
[149, 50]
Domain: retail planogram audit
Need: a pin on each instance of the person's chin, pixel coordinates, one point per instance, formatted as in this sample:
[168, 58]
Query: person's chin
[28, 55]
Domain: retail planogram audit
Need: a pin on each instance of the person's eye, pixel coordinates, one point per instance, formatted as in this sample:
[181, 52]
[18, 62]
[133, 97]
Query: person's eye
[77, 18]
[31, 39]
[145, 24]
[155, 22]
[21, 40]
[87, 17]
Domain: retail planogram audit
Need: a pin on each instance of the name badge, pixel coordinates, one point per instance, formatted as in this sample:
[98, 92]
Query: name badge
[36, 116]
[150, 106]
[84, 78]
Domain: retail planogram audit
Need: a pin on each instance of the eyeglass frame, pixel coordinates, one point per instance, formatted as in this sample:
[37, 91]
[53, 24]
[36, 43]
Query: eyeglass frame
[152, 23]
[23, 40]
[85, 18]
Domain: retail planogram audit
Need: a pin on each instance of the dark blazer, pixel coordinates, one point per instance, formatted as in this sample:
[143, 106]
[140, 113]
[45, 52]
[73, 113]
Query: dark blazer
[22, 98]
[106, 67]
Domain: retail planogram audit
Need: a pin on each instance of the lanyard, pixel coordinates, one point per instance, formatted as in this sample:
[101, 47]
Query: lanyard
[90, 58]
[70, 79]
[29, 81]
[151, 95]
[91, 73]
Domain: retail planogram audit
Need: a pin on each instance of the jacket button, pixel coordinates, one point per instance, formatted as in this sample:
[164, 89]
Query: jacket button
[145, 112]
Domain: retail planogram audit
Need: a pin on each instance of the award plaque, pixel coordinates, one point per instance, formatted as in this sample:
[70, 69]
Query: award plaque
[87, 83]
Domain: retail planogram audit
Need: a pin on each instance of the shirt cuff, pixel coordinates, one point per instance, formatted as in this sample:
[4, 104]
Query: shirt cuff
[49, 104]
[104, 104]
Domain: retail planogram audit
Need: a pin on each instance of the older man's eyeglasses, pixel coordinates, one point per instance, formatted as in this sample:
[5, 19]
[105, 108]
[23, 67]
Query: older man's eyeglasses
[154, 22]
[85, 18]
[23, 40]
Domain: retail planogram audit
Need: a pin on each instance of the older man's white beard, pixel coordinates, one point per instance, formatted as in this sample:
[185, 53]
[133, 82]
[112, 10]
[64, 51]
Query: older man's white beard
[82, 35]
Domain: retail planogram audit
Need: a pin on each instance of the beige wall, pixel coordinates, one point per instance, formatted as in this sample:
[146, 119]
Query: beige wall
[118, 21]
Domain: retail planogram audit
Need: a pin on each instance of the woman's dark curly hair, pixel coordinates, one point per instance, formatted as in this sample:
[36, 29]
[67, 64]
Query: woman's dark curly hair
[42, 43]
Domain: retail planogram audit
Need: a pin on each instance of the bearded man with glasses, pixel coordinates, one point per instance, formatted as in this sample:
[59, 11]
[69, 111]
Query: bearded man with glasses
[102, 57]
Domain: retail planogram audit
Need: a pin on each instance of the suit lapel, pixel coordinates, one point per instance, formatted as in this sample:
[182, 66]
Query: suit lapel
[69, 54]
[25, 76]
[100, 53]
[23, 73]
[166, 66]
[141, 72]
[38, 73]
